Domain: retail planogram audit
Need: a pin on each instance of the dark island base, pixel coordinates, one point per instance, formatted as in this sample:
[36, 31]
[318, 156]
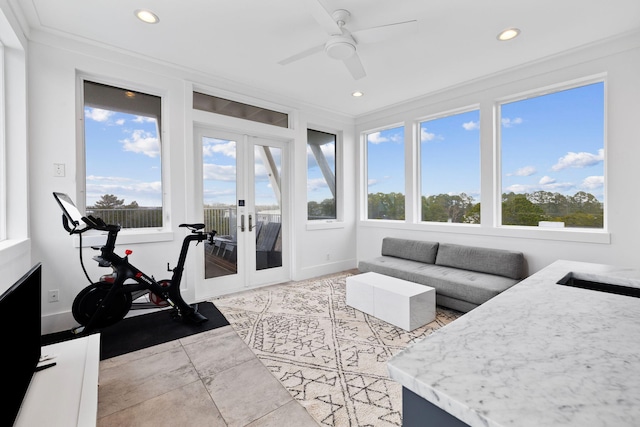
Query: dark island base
[417, 412]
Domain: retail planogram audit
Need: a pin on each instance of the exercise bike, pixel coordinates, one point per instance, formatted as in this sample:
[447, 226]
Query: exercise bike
[107, 301]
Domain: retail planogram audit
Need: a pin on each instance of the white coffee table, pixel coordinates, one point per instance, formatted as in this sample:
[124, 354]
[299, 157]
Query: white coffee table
[404, 304]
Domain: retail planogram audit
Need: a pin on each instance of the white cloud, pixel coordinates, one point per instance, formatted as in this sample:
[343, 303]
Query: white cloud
[142, 142]
[226, 148]
[120, 122]
[578, 160]
[372, 182]
[592, 182]
[426, 136]
[471, 125]
[525, 171]
[377, 138]
[98, 114]
[113, 179]
[219, 172]
[545, 184]
[507, 122]
[545, 180]
[316, 184]
[143, 119]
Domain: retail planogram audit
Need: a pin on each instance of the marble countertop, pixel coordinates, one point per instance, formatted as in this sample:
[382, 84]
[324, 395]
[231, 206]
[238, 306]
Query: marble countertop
[539, 354]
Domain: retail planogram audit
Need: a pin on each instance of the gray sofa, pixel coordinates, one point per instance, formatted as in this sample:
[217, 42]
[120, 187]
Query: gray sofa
[463, 276]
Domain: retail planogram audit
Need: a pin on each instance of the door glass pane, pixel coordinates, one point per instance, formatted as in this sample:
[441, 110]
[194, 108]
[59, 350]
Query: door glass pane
[268, 221]
[220, 209]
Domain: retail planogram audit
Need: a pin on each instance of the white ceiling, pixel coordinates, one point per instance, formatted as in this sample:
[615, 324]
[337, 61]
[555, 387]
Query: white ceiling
[242, 41]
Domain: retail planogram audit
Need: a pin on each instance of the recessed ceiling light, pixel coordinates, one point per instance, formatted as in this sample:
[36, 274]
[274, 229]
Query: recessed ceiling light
[357, 94]
[147, 16]
[508, 34]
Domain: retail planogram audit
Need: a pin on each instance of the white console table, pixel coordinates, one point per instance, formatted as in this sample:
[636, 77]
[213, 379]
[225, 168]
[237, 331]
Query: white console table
[66, 394]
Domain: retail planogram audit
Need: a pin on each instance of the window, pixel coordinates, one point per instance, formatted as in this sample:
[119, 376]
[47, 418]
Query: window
[552, 150]
[226, 107]
[450, 168]
[123, 156]
[385, 174]
[3, 174]
[321, 175]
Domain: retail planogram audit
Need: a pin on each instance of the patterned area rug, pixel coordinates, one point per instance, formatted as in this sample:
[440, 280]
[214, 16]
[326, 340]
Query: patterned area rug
[331, 357]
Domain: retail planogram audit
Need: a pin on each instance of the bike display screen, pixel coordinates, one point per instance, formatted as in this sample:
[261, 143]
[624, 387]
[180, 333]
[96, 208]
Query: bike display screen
[68, 208]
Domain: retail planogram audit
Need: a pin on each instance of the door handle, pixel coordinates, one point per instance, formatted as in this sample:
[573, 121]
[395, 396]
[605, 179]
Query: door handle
[250, 223]
[242, 223]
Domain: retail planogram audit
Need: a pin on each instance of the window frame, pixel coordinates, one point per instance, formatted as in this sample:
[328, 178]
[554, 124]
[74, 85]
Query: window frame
[418, 162]
[498, 187]
[490, 168]
[364, 176]
[127, 235]
[337, 177]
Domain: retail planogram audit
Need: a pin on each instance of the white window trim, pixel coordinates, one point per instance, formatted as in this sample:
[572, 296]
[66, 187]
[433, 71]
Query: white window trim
[522, 231]
[338, 222]
[128, 235]
[490, 225]
[418, 158]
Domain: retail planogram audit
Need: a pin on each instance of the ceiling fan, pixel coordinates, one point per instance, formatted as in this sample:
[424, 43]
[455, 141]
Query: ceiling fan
[342, 43]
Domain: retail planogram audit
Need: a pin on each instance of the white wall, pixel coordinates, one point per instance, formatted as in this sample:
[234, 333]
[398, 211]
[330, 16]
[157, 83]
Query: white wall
[15, 250]
[619, 60]
[53, 66]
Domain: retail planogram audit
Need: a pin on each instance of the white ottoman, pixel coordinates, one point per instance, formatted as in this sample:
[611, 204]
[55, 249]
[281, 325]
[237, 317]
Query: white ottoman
[404, 304]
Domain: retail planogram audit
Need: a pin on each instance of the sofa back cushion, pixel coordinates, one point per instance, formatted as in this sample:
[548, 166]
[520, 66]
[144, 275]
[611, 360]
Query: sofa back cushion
[415, 250]
[492, 261]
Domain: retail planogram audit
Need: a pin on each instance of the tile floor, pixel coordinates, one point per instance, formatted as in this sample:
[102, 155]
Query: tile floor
[209, 379]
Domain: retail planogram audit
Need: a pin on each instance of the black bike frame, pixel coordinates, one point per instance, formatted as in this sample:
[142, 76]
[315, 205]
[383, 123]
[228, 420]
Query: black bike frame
[126, 271]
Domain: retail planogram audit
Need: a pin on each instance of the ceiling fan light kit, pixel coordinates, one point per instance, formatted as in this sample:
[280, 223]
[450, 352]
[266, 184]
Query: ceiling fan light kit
[340, 47]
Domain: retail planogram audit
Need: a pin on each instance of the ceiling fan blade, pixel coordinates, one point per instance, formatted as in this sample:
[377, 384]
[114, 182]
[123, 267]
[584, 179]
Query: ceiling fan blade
[355, 67]
[385, 32]
[302, 54]
[323, 17]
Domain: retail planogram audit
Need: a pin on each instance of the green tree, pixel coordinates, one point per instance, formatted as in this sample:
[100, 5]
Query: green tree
[518, 210]
[386, 206]
[109, 201]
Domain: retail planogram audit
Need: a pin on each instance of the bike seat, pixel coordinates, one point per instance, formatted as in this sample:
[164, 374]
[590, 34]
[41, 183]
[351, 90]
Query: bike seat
[198, 226]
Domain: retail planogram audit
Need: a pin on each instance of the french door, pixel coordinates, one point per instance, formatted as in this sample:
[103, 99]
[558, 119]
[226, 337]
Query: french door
[243, 189]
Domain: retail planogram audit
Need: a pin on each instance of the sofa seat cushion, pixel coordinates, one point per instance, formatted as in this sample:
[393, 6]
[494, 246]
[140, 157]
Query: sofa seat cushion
[474, 287]
[485, 260]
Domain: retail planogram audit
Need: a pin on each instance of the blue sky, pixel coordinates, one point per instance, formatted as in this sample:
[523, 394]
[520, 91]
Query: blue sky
[551, 143]
[317, 188]
[220, 170]
[122, 157]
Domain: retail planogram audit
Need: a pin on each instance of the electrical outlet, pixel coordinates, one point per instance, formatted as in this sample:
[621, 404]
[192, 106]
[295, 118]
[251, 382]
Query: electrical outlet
[53, 295]
[58, 169]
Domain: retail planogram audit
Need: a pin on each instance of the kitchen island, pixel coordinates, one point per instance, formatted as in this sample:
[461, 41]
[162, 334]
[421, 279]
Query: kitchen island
[538, 354]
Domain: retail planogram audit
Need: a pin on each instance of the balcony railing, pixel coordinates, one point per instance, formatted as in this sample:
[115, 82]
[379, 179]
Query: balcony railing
[223, 220]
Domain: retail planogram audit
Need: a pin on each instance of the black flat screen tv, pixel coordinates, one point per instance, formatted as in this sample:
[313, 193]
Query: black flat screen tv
[20, 335]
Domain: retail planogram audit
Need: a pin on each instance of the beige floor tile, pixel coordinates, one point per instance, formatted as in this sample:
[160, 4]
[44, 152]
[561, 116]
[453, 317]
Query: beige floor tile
[140, 354]
[189, 405]
[291, 414]
[246, 392]
[205, 335]
[131, 383]
[218, 353]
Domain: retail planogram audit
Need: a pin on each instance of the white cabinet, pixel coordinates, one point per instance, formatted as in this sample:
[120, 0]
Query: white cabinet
[66, 394]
